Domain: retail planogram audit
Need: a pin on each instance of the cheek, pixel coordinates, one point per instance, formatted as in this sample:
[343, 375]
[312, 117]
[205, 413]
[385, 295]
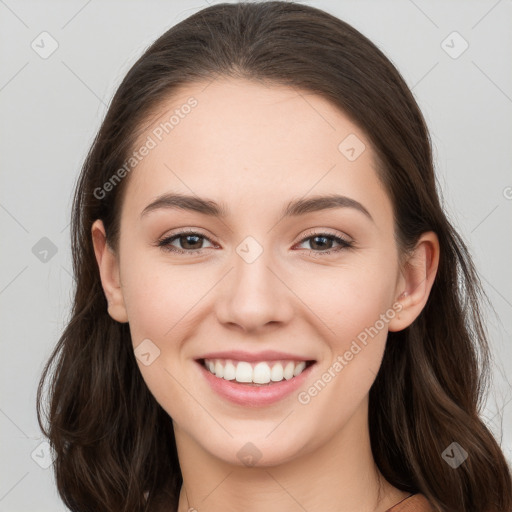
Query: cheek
[159, 297]
[352, 309]
[349, 300]
[160, 303]
[355, 309]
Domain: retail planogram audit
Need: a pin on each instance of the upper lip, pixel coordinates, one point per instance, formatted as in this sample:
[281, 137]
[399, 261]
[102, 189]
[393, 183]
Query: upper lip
[266, 355]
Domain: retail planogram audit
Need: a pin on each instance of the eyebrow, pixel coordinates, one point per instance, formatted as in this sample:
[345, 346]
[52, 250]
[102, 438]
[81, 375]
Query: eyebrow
[294, 208]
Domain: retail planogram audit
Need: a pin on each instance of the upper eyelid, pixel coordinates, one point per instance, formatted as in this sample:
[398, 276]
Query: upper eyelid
[185, 232]
[322, 231]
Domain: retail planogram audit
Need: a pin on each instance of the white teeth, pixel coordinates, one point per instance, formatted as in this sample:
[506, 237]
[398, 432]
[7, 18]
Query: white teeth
[229, 371]
[299, 369]
[288, 371]
[261, 373]
[243, 372]
[277, 373]
[219, 369]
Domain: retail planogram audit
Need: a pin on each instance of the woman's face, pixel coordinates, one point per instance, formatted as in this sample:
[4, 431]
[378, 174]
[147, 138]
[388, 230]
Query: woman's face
[257, 285]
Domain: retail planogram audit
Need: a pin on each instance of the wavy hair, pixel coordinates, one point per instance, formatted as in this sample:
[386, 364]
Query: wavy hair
[114, 444]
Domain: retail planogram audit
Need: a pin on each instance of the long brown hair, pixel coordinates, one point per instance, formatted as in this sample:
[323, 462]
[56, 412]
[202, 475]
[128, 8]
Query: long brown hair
[114, 444]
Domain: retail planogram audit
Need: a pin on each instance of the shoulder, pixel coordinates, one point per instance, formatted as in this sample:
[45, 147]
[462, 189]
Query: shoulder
[414, 503]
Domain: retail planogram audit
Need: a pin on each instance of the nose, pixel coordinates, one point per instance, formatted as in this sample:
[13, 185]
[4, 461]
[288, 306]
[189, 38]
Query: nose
[255, 295]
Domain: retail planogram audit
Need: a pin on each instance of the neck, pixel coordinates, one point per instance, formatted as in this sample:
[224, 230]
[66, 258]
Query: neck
[341, 475]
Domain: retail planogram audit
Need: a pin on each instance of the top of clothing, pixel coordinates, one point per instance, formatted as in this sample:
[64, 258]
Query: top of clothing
[413, 503]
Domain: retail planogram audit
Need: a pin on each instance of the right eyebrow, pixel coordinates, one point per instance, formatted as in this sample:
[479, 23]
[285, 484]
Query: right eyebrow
[186, 202]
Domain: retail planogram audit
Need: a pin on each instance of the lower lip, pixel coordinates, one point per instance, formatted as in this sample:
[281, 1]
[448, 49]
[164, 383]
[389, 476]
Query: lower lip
[254, 396]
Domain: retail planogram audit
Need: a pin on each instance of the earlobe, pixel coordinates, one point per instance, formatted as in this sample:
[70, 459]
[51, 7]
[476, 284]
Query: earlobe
[109, 272]
[418, 278]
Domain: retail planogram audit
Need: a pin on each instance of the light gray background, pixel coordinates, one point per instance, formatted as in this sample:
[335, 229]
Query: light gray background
[51, 108]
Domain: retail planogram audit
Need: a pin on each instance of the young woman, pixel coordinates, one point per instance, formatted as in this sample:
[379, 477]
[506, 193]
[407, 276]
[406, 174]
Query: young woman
[272, 311]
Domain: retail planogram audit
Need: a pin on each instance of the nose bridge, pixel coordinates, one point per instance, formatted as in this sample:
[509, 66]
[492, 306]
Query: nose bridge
[252, 280]
[255, 295]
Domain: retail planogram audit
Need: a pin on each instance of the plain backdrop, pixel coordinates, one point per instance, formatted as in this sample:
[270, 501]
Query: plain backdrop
[60, 63]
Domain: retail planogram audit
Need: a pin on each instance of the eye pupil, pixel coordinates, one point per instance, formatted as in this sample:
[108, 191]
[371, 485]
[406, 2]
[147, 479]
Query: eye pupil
[322, 244]
[197, 241]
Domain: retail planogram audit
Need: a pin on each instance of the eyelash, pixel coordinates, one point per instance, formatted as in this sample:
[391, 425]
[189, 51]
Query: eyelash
[164, 243]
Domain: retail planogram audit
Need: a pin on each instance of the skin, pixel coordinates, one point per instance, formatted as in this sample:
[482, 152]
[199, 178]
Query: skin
[256, 148]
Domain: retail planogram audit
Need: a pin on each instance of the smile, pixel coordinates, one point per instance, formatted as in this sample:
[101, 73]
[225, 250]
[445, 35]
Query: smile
[256, 373]
[255, 383]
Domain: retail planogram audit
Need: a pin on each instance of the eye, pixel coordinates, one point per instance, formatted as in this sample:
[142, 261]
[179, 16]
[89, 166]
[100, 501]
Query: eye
[190, 241]
[325, 241]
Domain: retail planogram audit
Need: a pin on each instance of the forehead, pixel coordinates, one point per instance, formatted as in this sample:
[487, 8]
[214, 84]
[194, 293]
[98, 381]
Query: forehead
[251, 143]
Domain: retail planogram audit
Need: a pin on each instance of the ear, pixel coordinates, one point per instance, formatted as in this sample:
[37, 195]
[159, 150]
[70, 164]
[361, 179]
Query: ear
[416, 281]
[109, 273]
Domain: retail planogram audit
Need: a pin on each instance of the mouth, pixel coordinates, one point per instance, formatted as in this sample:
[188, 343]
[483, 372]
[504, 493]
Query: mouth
[255, 373]
[254, 379]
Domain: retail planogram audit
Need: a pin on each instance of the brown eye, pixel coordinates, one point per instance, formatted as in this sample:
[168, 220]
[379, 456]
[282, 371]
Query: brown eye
[189, 242]
[322, 243]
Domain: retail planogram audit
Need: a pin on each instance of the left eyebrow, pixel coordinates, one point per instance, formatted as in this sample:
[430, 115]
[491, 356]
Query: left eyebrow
[294, 208]
[318, 203]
